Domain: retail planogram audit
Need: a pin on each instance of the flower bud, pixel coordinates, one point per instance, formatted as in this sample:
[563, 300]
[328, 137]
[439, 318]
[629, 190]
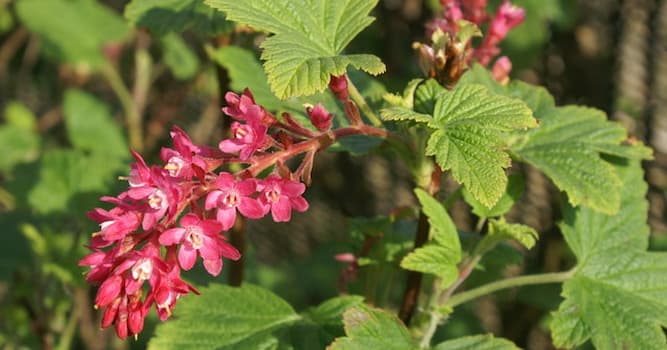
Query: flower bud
[338, 85]
[319, 117]
[501, 69]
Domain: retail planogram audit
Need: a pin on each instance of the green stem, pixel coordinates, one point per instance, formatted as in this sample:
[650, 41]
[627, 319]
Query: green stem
[361, 102]
[452, 301]
[554, 277]
[132, 116]
[65, 341]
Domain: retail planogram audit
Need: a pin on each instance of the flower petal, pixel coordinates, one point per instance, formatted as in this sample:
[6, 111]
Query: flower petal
[212, 200]
[187, 256]
[251, 208]
[190, 219]
[226, 217]
[213, 266]
[281, 210]
[172, 236]
[299, 204]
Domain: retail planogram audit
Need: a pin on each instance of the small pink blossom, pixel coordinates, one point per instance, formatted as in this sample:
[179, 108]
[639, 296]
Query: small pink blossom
[200, 237]
[507, 17]
[116, 223]
[182, 161]
[247, 139]
[280, 196]
[230, 195]
[244, 108]
[169, 289]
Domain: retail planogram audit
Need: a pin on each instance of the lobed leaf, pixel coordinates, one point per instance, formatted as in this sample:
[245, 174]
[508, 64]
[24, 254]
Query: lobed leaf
[477, 342]
[225, 317]
[370, 328]
[442, 228]
[514, 191]
[569, 143]
[403, 114]
[470, 123]
[174, 16]
[617, 297]
[500, 230]
[434, 259]
[309, 36]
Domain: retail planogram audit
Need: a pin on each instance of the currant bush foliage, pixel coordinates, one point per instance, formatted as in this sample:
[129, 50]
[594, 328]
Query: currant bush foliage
[218, 320]
[617, 295]
[569, 144]
[309, 37]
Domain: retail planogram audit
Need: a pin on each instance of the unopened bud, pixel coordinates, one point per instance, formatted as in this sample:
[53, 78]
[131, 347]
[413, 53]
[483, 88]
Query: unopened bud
[338, 85]
[319, 117]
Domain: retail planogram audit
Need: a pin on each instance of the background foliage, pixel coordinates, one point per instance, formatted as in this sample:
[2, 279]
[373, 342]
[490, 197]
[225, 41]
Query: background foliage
[80, 87]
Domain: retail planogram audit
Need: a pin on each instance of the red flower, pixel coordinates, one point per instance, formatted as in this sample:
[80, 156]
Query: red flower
[280, 196]
[246, 139]
[231, 195]
[200, 237]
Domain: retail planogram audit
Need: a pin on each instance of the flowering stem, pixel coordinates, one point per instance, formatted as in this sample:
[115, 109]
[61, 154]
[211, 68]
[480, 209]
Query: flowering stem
[315, 144]
[361, 102]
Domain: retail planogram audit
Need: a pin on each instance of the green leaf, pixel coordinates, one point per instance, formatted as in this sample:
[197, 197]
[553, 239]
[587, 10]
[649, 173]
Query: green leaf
[441, 256]
[331, 311]
[402, 114]
[470, 123]
[64, 174]
[166, 16]
[514, 191]
[308, 38]
[500, 230]
[434, 259]
[425, 96]
[325, 322]
[74, 31]
[180, 59]
[477, 342]
[567, 148]
[443, 229]
[618, 295]
[369, 328]
[246, 71]
[19, 141]
[90, 126]
[17, 145]
[568, 144]
[17, 114]
[224, 317]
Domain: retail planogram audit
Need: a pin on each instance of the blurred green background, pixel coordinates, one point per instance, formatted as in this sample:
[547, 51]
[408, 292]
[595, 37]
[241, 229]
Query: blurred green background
[81, 81]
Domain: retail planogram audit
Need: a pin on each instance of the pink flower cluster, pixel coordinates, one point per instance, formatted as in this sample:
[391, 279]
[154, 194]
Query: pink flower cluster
[498, 25]
[176, 213]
